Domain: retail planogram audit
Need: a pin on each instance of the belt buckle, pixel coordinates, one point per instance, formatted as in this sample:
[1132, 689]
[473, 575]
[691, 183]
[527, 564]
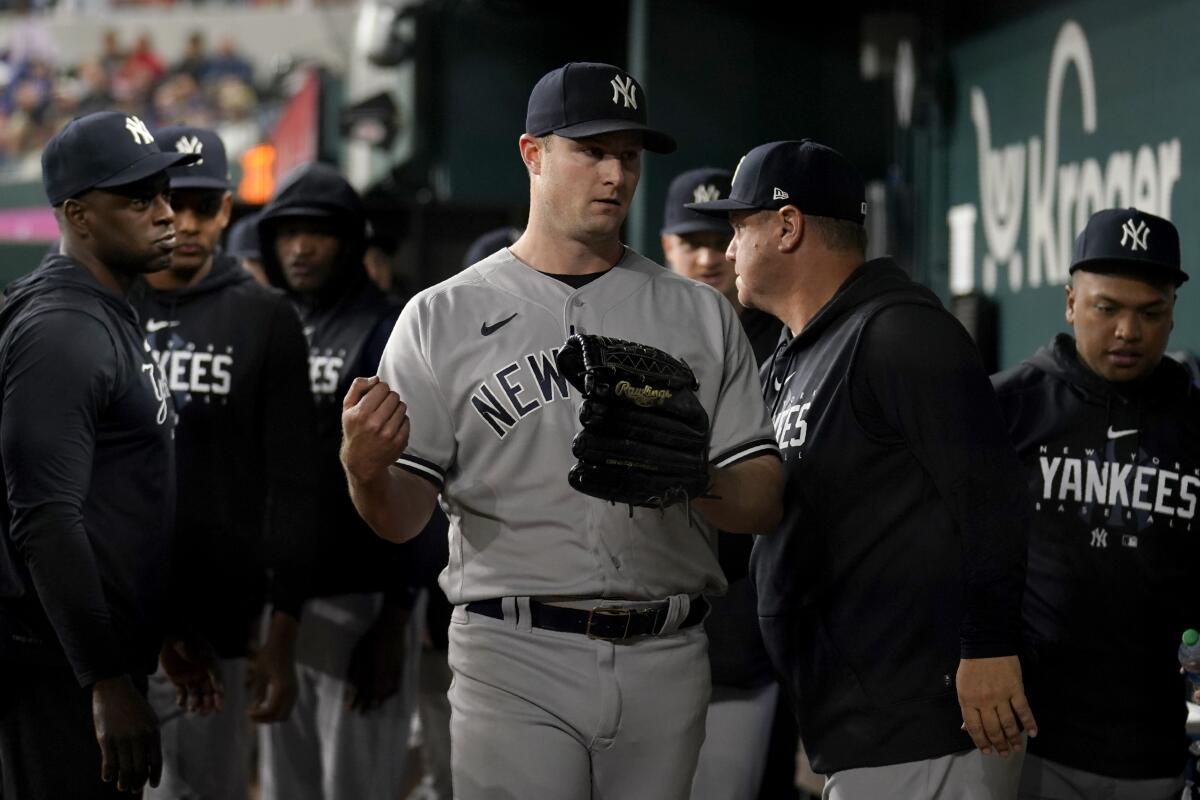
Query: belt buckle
[627, 613]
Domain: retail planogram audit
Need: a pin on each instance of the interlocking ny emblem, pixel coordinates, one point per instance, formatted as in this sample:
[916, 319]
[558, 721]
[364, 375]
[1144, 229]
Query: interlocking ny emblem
[623, 89]
[138, 130]
[190, 144]
[705, 193]
[1135, 235]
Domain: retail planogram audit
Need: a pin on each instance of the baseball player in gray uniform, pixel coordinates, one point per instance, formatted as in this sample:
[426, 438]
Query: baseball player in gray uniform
[579, 660]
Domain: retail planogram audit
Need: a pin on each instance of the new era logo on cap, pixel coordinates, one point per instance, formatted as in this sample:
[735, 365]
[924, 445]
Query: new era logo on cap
[779, 194]
[1127, 241]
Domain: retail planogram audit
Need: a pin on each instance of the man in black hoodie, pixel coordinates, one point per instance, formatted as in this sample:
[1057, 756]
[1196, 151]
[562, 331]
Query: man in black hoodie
[357, 650]
[1109, 432]
[86, 450]
[890, 596]
[236, 364]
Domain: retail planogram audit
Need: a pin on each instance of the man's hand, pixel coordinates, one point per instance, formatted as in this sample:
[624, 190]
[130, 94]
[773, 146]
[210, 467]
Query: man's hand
[127, 732]
[377, 664]
[272, 677]
[192, 666]
[990, 692]
[374, 429]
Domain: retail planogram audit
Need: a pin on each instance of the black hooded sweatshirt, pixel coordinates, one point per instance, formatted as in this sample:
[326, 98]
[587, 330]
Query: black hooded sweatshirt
[905, 514]
[86, 449]
[236, 364]
[1114, 470]
[347, 324]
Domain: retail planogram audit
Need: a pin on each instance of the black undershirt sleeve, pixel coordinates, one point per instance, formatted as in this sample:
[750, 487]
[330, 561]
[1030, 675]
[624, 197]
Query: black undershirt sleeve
[919, 376]
[60, 370]
[289, 448]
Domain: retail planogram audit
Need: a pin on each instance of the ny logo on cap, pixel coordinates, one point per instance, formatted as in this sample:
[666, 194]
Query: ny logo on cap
[138, 130]
[1136, 235]
[705, 193]
[623, 89]
[190, 144]
[779, 194]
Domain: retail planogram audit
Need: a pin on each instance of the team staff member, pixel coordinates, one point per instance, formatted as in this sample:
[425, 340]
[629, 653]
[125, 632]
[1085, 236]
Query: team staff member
[890, 597]
[539, 708]
[236, 365]
[1109, 432]
[85, 447]
[357, 649]
[744, 691]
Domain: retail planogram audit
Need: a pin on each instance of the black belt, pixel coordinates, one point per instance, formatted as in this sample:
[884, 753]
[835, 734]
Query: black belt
[610, 624]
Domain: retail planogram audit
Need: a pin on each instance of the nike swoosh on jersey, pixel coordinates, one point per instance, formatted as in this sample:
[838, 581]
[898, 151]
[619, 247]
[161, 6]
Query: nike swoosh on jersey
[1118, 434]
[154, 325]
[779, 383]
[488, 330]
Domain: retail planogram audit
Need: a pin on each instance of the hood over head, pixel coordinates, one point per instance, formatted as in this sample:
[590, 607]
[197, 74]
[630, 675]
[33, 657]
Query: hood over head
[318, 191]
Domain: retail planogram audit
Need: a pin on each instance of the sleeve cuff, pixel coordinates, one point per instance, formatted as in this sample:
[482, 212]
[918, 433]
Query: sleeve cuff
[423, 469]
[751, 449]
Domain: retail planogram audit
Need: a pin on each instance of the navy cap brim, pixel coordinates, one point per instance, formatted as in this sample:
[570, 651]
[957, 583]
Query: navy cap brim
[721, 208]
[1137, 267]
[150, 164]
[712, 224]
[199, 182]
[652, 140]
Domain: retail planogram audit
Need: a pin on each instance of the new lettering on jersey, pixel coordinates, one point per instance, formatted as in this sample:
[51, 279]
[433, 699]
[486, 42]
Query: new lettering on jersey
[492, 424]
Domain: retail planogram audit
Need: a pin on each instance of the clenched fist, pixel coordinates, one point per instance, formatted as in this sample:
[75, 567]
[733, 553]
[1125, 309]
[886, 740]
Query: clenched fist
[375, 429]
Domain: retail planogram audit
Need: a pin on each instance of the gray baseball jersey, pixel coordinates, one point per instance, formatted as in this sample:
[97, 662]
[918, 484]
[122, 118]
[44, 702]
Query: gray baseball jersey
[492, 424]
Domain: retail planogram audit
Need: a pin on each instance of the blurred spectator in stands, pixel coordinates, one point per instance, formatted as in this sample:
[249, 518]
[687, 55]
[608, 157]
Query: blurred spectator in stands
[178, 99]
[143, 59]
[195, 59]
[229, 62]
[236, 124]
[112, 55]
[92, 91]
[379, 258]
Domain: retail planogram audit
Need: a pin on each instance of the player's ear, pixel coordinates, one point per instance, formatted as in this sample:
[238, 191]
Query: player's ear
[791, 231]
[1069, 313]
[73, 215]
[532, 150]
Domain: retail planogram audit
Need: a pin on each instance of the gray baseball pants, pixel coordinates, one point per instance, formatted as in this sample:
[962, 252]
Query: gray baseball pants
[537, 713]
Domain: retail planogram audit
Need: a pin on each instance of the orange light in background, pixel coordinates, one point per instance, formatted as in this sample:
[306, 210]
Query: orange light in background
[258, 180]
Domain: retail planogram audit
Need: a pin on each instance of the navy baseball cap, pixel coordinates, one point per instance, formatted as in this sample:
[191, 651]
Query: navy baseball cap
[584, 99]
[702, 185]
[102, 151]
[1128, 241]
[209, 171]
[242, 240]
[814, 178]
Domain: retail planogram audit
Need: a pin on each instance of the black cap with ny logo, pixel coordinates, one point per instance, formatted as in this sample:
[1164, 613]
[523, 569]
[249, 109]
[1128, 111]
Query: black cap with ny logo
[582, 99]
[102, 151]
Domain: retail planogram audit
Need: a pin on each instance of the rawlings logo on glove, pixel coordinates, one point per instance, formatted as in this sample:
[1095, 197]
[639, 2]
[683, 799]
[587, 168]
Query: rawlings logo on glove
[645, 435]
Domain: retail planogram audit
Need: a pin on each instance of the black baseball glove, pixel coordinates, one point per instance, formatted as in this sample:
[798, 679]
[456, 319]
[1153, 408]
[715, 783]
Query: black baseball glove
[645, 435]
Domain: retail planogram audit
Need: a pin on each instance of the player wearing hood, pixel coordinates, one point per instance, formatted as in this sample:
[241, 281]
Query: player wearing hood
[357, 650]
